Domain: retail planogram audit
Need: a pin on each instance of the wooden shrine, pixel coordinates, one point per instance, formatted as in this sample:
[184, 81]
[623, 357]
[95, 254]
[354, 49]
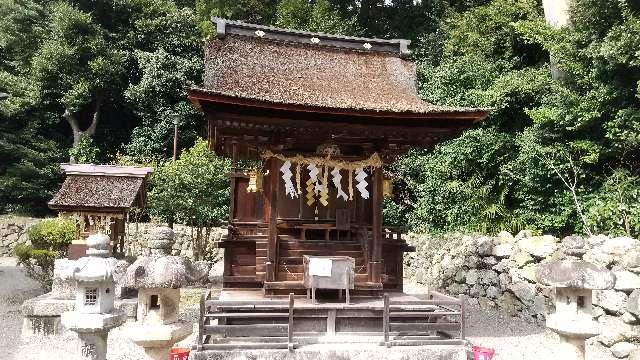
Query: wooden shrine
[98, 198]
[274, 96]
[309, 120]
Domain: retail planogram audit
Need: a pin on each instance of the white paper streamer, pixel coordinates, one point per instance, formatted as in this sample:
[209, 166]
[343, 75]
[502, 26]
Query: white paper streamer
[313, 174]
[362, 184]
[336, 182]
[286, 176]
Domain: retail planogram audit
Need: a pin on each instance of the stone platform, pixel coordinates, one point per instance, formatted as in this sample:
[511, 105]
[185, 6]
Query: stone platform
[341, 352]
[42, 313]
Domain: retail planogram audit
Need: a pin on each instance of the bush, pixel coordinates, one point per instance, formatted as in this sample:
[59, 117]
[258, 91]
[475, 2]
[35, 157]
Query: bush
[193, 190]
[52, 234]
[38, 263]
[85, 152]
[49, 241]
[615, 208]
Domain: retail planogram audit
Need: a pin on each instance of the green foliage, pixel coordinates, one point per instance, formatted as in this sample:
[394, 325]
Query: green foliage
[193, 190]
[52, 234]
[615, 207]
[564, 137]
[85, 152]
[38, 264]
[462, 184]
[544, 158]
[49, 241]
[317, 16]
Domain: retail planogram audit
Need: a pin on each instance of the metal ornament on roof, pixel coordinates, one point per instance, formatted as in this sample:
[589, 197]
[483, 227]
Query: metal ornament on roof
[328, 150]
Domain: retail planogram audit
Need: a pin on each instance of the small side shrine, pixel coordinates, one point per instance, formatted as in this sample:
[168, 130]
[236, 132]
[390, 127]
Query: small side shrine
[99, 198]
[309, 121]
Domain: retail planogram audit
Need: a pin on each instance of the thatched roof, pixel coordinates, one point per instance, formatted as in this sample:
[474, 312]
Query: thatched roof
[282, 66]
[87, 191]
[89, 186]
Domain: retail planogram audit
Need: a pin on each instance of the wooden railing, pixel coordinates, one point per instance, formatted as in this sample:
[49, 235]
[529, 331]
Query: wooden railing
[437, 320]
[272, 335]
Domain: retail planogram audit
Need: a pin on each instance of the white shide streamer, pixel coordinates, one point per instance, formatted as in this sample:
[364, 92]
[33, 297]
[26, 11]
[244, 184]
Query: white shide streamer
[336, 178]
[286, 176]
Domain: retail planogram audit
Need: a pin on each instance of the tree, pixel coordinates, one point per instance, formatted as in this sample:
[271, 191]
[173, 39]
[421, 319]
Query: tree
[28, 170]
[192, 190]
[78, 87]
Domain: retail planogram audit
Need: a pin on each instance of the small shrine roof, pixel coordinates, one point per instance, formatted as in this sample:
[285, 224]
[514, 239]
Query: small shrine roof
[315, 70]
[86, 191]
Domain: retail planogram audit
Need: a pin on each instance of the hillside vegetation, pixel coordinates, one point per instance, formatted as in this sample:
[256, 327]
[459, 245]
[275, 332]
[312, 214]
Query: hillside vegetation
[104, 81]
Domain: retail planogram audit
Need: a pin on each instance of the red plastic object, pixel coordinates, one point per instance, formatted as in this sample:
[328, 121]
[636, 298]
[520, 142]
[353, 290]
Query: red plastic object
[482, 353]
[179, 354]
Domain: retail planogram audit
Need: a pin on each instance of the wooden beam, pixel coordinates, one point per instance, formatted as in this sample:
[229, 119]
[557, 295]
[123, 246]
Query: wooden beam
[200, 96]
[385, 319]
[271, 213]
[290, 325]
[376, 227]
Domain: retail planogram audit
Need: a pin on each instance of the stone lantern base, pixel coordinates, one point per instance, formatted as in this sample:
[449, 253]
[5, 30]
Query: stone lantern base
[157, 340]
[93, 330]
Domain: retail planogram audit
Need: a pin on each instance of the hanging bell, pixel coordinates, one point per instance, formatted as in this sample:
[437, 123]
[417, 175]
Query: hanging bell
[387, 188]
[255, 181]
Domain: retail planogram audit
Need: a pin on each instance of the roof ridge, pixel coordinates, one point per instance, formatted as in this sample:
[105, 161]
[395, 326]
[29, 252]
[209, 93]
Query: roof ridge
[224, 27]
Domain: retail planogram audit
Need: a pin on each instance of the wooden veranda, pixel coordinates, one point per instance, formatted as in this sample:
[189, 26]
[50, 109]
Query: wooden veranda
[244, 319]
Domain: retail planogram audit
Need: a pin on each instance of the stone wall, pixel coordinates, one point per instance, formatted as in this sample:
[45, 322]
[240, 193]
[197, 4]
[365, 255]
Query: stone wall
[500, 272]
[138, 235]
[13, 231]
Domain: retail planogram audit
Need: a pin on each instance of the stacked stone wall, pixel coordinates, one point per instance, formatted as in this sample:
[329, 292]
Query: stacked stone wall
[138, 235]
[13, 232]
[499, 272]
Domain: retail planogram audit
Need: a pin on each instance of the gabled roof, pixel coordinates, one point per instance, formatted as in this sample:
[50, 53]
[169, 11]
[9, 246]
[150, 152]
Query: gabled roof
[99, 187]
[268, 65]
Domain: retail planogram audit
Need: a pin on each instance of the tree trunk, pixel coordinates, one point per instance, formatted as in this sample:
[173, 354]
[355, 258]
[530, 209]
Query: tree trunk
[556, 13]
[78, 134]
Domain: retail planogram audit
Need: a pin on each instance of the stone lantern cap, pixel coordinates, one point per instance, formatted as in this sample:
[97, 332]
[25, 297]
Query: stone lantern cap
[160, 270]
[96, 267]
[575, 274]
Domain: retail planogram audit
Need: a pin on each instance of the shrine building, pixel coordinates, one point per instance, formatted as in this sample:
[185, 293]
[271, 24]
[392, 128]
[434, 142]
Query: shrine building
[309, 121]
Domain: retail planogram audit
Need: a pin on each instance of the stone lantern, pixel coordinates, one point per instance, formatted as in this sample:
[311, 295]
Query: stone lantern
[574, 281]
[94, 316]
[158, 278]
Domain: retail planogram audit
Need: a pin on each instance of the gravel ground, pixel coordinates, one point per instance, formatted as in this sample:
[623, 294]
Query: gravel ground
[15, 288]
[513, 338]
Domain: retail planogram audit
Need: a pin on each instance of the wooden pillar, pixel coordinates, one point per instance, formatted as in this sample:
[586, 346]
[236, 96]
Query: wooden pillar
[228, 251]
[376, 227]
[233, 184]
[271, 215]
